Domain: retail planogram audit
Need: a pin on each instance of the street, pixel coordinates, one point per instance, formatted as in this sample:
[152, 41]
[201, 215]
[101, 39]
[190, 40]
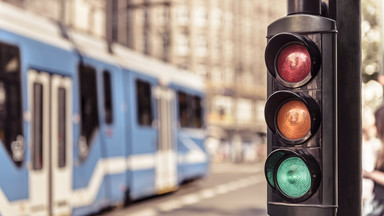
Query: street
[230, 190]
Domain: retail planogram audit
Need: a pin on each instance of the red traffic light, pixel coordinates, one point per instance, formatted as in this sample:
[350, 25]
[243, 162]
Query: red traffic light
[294, 63]
[292, 59]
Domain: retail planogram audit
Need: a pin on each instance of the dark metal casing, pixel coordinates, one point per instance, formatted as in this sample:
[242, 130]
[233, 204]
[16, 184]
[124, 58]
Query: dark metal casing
[322, 87]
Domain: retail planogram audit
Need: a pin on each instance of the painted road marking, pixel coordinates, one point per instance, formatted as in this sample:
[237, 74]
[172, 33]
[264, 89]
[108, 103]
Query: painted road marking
[227, 168]
[200, 196]
[169, 205]
[146, 212]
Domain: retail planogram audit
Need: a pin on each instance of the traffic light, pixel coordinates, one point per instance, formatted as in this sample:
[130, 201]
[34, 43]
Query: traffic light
[301, 168]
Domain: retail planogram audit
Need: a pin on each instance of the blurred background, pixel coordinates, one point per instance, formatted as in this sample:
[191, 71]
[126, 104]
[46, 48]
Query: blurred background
[222, 41]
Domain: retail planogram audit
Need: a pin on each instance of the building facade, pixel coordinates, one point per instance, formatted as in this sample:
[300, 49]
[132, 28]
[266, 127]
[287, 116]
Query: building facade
[220, 40]
[87, 16]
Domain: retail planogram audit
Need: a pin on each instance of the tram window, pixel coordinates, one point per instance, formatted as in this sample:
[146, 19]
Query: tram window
[88, 103]
[144, 105]
[62, 133]
[184, 110]
[37, 127]
[190, 110]
[11, 123]
[197, 114]
[108, 97]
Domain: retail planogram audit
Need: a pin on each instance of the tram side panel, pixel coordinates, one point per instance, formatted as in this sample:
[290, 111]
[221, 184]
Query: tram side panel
[89, 172]
[50, 101]
[127, 89]
[193, 160]
[114, 131]
[143, 140]
[14, 179]
[28, 184]
[112, 179]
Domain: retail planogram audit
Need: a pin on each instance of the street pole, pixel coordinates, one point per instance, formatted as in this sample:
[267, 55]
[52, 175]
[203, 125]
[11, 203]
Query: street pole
[347, 14]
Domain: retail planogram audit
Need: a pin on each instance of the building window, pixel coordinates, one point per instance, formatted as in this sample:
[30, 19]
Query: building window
[217, 75]
[223, 105]
[146, 42]
[108, 108]
[216, 18]
[88, 106]
[144, 103]
[182, 45]
[229, 76]
[163, 14]
[202, 71]
[165, 43]
[146, 30]
[115, 13]
[244, 110]
[228, 49]
[202, 46]
[259, 109]
[129, 28]
[182, 15]
[190, 110]
[228, 19]
[201, 16]
[218, 47]
[11, 112]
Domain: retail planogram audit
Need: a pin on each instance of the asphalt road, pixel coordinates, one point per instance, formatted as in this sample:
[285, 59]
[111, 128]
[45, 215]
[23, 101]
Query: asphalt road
[230, 190]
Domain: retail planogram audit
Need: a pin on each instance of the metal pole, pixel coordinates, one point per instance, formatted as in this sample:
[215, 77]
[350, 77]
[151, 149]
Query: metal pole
[349, 105]
[304, 6]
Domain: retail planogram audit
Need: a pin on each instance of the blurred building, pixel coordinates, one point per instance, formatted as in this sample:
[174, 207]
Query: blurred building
[221, 40]
[83, 15]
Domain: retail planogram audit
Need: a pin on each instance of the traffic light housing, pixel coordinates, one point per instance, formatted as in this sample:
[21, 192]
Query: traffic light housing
[301, 115]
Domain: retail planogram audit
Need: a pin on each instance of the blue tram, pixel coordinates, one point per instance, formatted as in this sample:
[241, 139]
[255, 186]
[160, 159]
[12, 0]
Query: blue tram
[83, 128]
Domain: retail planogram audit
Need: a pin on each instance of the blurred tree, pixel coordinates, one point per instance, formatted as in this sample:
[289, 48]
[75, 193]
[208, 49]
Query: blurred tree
[372, 91]
[371, 40]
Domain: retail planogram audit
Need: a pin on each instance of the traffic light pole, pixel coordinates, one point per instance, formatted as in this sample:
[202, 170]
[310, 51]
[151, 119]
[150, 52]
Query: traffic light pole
[347, 15]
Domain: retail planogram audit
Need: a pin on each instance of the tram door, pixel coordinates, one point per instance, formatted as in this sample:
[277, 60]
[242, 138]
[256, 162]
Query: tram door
[166, 160]
[50, 143]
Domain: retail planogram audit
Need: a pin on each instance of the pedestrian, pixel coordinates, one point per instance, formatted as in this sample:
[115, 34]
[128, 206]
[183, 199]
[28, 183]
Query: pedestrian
[375, 206]
[370, 148]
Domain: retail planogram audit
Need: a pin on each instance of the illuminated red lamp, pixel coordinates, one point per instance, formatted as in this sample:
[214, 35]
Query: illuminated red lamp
[292, 59]
[294, 63]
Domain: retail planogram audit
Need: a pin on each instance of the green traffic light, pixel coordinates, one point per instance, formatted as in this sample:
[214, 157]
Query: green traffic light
[271, 163]
[293, 177]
